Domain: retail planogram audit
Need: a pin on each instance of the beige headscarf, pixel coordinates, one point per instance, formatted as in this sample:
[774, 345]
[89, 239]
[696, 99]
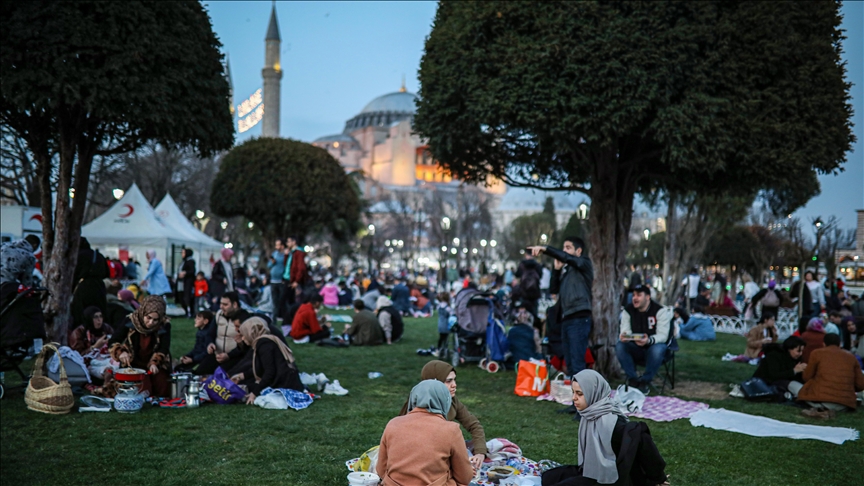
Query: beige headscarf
[254, 330]
[149, 305]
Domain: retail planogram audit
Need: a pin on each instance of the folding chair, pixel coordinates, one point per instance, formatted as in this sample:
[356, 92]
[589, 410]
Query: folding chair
[668, 365]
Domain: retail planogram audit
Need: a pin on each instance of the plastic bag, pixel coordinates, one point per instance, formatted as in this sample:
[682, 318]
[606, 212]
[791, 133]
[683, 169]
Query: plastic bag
[532, 380]
[222, 390]
[368, 461]
[630, 399]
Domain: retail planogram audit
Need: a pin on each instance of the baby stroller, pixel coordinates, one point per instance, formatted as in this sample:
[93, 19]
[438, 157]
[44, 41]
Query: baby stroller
[478, 335]
[21, 321]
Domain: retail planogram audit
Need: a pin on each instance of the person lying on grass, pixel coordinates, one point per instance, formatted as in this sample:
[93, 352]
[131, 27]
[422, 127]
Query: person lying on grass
[422, 447]
[443, 372]
[608, 442]
[272, 360]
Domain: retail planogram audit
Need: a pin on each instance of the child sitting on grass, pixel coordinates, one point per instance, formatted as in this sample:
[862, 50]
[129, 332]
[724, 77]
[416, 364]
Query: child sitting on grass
[205, 336]
[201, 289]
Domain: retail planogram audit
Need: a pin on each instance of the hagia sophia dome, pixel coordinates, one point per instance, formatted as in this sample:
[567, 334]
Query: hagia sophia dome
[384, 110]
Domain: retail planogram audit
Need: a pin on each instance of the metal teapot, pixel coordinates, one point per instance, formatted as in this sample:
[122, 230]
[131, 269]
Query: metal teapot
[193, 389]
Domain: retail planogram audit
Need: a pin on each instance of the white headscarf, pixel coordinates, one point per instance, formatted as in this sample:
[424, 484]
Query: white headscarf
[596, 455]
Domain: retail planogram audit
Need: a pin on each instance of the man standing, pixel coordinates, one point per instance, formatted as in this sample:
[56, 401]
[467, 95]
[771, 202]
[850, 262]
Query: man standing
[691, 284]
[277, 268]
[296, 275]
[651, 323]
[529, 273]
[186, 282]
[571, 281]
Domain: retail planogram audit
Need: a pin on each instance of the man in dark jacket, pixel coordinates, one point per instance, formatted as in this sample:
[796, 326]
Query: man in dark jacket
[571, 281]
[401, 297]
[782, 364]
[186, 275]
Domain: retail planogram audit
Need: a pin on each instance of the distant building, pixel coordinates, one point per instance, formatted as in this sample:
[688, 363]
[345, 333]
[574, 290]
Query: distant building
[850, 261]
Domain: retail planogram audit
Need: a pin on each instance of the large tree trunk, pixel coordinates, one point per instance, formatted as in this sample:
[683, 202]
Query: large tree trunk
[64, 235]
[612, 191]
[671, 272]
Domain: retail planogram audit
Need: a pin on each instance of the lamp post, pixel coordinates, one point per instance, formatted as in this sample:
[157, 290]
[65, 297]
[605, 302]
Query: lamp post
[817, 223]
[445, 230]
[371, 233]
[483, 267]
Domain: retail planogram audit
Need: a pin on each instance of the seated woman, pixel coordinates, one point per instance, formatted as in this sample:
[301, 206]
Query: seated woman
[814, 336]
[762, 333]
[603, 431]
[698, 327]
[421, 306]
[782, 367]
[272, 361]
[93, 334]
[443, 372]
[144, 341]
[422, 447]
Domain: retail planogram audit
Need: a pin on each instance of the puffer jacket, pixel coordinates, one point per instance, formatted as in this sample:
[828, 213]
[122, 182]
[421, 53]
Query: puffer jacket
[225, 333]
[573, 282]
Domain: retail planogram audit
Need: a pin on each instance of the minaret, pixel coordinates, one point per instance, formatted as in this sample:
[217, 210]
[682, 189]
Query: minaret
[230, 84]
[272, 74]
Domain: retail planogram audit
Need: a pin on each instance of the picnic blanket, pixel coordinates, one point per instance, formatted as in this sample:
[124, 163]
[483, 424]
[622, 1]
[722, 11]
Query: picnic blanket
[756, 426]
[667, 409]
[283, 399]
[526, 466]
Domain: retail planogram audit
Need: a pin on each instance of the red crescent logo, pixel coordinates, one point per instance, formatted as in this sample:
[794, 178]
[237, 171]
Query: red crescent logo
[131, 210]
[37, 217]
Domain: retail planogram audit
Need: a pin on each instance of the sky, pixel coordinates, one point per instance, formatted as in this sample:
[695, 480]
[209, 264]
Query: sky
[338, 56]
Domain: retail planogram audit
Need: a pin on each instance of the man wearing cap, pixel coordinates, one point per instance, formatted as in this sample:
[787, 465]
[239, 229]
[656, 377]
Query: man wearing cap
[652, 321]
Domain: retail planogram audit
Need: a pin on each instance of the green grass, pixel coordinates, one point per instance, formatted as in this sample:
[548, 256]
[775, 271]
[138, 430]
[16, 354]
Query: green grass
[247, 445]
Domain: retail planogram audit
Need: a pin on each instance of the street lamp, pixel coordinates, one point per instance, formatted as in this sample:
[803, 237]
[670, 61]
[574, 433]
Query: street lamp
[646, 233]
[818, 224]
[483, 243]
[371, 229]
[445, 223]
[456, 241]
[583, 211]
[371, 234]
[118, 193]
[199, 214]
[543, 238]
[493, 243]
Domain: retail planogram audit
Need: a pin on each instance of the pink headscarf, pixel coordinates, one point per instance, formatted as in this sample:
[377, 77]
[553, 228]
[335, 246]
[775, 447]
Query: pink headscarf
[127, 296]
[227, 253]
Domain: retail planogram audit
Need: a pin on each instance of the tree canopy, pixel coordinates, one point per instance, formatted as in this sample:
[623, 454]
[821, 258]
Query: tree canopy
[86, 79]
[287, 187]
[615, 98]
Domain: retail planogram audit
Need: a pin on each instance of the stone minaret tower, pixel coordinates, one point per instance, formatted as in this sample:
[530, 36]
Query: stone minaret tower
[272, 74]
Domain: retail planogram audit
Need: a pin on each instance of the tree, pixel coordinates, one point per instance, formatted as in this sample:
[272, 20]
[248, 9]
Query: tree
[576, 226]
[526, 231]
[615, 98]
[834, 239]
[647, 252]
[287, 188]
[89, 79]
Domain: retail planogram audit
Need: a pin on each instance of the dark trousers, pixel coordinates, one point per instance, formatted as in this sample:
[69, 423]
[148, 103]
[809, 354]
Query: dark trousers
[189, 298]
[565, 476]
[277, 291]
[575, 333]
[324, 333]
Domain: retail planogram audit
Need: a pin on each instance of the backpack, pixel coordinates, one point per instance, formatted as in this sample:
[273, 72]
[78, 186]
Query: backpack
[771, 299]
[530, 283]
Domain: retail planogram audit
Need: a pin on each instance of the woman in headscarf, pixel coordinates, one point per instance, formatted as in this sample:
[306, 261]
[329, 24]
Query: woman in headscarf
[155, 280]
[128, 297]
[446, 374]
[422, 447]
[92, 334]
[602, 432]
[144, 341]
[273, 363]
[222, 276]
[814, 336]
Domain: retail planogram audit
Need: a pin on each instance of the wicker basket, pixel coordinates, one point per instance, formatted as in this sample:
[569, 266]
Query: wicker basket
[43, 395]
[560, 389]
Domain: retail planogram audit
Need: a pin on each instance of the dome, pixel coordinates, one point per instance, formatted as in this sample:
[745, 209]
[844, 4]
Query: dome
[384, 111]
[341, 137]
[399, 102]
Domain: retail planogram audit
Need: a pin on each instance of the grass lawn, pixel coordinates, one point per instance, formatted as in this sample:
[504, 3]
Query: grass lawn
[247, 445]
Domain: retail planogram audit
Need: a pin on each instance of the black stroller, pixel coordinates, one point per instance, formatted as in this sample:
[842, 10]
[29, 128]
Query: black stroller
[21, 321]
[475, 313]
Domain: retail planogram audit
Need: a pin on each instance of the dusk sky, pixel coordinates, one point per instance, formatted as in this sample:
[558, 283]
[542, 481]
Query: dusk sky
[338, 56]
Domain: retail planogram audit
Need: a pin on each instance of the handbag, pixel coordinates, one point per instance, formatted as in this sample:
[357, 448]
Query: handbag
[43, 394]
[532, 379]
[222, 390]
[756, 390]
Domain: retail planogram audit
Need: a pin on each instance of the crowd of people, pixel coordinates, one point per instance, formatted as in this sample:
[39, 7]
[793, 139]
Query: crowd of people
[245, 322]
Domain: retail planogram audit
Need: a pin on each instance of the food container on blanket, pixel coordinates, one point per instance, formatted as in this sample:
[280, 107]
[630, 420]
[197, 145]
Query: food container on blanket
[363, 479]
[179, 384]
[498, 473]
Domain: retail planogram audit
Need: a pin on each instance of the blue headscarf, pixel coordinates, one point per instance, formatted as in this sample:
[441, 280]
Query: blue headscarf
[432, 395]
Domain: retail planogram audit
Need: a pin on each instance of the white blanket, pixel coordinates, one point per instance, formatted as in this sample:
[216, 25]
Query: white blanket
[68, 353]
[722, 419]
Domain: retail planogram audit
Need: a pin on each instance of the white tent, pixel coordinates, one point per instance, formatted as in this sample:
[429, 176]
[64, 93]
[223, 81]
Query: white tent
[207, 248]
[133, 225]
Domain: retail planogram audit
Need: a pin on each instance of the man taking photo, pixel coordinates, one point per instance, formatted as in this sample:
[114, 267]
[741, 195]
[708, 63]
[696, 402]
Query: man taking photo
[572, 278]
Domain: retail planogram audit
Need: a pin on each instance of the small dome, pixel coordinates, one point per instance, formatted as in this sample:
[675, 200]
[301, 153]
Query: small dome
[341, 137]
[398, 102]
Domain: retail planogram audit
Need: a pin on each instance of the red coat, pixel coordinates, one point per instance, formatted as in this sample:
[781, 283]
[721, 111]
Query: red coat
[305, 322]
[298, 272]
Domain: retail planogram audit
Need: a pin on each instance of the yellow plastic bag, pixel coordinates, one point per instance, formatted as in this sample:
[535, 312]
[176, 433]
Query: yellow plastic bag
[368, 461]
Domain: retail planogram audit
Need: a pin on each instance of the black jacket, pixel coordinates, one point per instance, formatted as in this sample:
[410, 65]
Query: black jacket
[273, 368]
[396, 322]
[203, 338]
[777, 365]
[572, 283]
[639, 463]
